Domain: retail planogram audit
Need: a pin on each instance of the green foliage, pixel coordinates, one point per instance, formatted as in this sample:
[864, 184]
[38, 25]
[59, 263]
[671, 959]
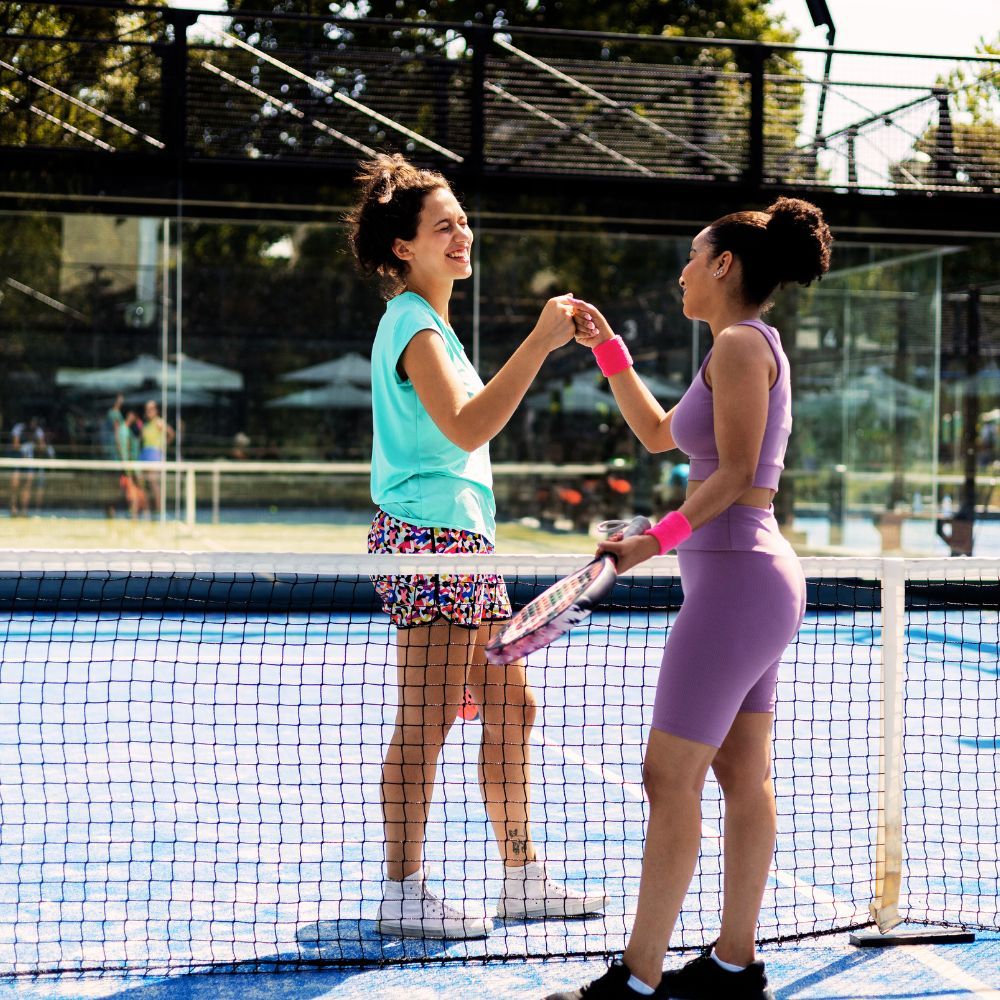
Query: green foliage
[115, 78]
[969, 149]
[748, 19]
[976, 87]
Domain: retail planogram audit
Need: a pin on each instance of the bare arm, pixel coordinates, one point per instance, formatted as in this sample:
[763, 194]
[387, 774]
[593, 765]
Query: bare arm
[470, 422]
[649, 421]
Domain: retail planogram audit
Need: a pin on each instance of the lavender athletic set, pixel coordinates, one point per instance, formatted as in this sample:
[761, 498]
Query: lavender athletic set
[738, 562]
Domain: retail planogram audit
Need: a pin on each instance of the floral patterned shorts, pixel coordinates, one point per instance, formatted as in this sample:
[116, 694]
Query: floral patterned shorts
[465, 599]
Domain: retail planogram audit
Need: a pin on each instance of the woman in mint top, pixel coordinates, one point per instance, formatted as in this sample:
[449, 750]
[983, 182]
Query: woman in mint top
[432, 484]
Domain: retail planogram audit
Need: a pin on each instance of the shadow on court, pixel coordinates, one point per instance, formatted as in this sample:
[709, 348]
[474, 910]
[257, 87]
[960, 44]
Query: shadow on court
[840, 966]
[298, 976]
[353, 940]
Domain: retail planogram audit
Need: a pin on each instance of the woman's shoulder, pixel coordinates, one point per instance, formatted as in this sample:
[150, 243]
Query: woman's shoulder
[406, 315]
[740, 348]
[409, 304]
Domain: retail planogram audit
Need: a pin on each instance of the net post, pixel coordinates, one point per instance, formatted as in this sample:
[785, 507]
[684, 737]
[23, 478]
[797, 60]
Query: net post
[884, 908]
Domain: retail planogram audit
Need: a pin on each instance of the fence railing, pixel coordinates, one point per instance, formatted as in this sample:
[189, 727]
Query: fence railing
[187, 490]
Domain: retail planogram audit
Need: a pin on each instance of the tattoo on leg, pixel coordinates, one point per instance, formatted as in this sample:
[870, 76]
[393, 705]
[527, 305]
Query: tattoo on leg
[518, 840]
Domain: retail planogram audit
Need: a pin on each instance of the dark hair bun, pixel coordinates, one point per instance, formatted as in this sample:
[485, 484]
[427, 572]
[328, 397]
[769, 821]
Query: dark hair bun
[391, 193]
[799, 240]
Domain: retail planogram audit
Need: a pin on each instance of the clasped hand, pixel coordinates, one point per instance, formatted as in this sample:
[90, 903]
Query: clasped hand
[591, 326]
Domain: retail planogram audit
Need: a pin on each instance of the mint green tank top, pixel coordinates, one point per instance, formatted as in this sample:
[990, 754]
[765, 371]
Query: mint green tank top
[418, 475]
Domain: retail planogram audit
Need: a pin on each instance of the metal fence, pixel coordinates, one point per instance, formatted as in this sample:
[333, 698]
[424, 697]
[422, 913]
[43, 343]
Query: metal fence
[174, 88]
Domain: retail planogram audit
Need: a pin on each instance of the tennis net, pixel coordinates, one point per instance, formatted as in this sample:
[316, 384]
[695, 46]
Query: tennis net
[191, 748]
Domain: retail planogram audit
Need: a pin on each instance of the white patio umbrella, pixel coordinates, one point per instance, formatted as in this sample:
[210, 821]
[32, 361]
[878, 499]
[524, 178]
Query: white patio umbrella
[335, 396]
[149, 370]
[119, 378]
[198, 374]
[580, 395]
[189, 398]
[661, 388]
[830, 405]
[351, 367]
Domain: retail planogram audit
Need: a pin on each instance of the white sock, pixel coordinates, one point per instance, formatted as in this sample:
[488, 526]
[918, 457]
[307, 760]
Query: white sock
[640, 987]
[408, 887]
[521, 871]
[728, 966]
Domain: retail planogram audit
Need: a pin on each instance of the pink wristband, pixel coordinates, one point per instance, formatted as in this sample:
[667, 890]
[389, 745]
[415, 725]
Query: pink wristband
[612, 356]
[670, 531]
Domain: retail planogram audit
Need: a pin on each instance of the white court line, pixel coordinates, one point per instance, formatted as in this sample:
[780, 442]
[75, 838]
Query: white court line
[948, 970]
[922, 953]
[818, 897]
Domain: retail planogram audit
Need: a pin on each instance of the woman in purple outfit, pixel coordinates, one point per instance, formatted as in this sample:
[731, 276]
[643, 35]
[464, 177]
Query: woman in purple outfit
[744, 596]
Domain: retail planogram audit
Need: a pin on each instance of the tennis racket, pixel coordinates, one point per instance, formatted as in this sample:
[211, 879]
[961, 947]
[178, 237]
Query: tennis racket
[562, 606]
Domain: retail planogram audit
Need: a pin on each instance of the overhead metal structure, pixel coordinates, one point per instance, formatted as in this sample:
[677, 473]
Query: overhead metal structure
[278, 109]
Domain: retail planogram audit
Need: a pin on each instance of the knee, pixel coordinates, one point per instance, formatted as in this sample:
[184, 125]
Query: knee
[424, 740]
[509, 705]
[741, 777]
[664, 784]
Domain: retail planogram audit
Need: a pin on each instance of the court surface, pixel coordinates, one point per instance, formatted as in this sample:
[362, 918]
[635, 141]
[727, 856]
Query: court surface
[269, 731]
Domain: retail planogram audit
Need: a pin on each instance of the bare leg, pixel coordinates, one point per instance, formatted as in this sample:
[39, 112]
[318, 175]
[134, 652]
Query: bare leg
[674, 775]
[15, 493]
[26, 494]
[507, 708]
[153, 488]
[743, 768]
[432, 662]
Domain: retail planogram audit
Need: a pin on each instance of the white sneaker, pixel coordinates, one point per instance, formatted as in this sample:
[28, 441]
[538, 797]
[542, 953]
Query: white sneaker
[410, 909]
[528, 893]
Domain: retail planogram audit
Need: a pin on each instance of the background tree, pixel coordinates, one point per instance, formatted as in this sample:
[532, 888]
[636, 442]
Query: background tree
[90, 55]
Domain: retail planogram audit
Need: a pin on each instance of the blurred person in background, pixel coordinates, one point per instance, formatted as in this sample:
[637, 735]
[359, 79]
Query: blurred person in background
[22, 445]
[128, 446]
[110, 424]
[42, 448]
[157, 436]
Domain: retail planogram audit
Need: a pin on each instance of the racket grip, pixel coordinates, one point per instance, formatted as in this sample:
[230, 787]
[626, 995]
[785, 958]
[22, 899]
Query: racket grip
[639, 525]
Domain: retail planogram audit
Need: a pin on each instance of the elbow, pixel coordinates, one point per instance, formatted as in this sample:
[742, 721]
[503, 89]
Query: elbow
[466, 438]
[739, 477]
[656, 447]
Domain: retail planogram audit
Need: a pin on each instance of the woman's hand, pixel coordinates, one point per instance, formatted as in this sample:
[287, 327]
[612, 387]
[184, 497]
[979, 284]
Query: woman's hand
[555, 325]
[629, 552]
[591, 327]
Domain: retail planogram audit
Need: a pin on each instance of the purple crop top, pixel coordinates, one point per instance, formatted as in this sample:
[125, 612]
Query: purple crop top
[693, 424]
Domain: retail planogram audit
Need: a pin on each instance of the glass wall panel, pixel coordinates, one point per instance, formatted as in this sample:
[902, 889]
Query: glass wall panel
[864, 452]
[253, 340]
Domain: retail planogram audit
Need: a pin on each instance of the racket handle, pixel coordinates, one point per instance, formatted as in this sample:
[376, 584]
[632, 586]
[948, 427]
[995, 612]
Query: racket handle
[639, 525]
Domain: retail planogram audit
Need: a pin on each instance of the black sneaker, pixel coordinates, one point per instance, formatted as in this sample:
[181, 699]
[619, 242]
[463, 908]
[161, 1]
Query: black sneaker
[705, 979]
[613, 985]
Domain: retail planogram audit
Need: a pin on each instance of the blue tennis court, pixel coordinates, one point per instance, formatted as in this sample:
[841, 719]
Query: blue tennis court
[192, 791]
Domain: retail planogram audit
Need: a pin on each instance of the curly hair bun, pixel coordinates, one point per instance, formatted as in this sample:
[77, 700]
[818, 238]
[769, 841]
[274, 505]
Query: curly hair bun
[391, 193]
[799, 240]
[380, 176]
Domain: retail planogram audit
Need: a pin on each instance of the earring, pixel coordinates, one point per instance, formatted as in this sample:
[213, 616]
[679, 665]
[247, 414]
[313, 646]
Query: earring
[718, 274]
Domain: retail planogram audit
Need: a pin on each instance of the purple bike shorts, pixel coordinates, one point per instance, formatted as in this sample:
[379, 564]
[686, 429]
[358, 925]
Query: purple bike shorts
[744, 600]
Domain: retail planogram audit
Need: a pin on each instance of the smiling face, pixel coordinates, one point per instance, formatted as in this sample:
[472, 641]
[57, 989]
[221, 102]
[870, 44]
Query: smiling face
[442, 246]
[696, 279]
